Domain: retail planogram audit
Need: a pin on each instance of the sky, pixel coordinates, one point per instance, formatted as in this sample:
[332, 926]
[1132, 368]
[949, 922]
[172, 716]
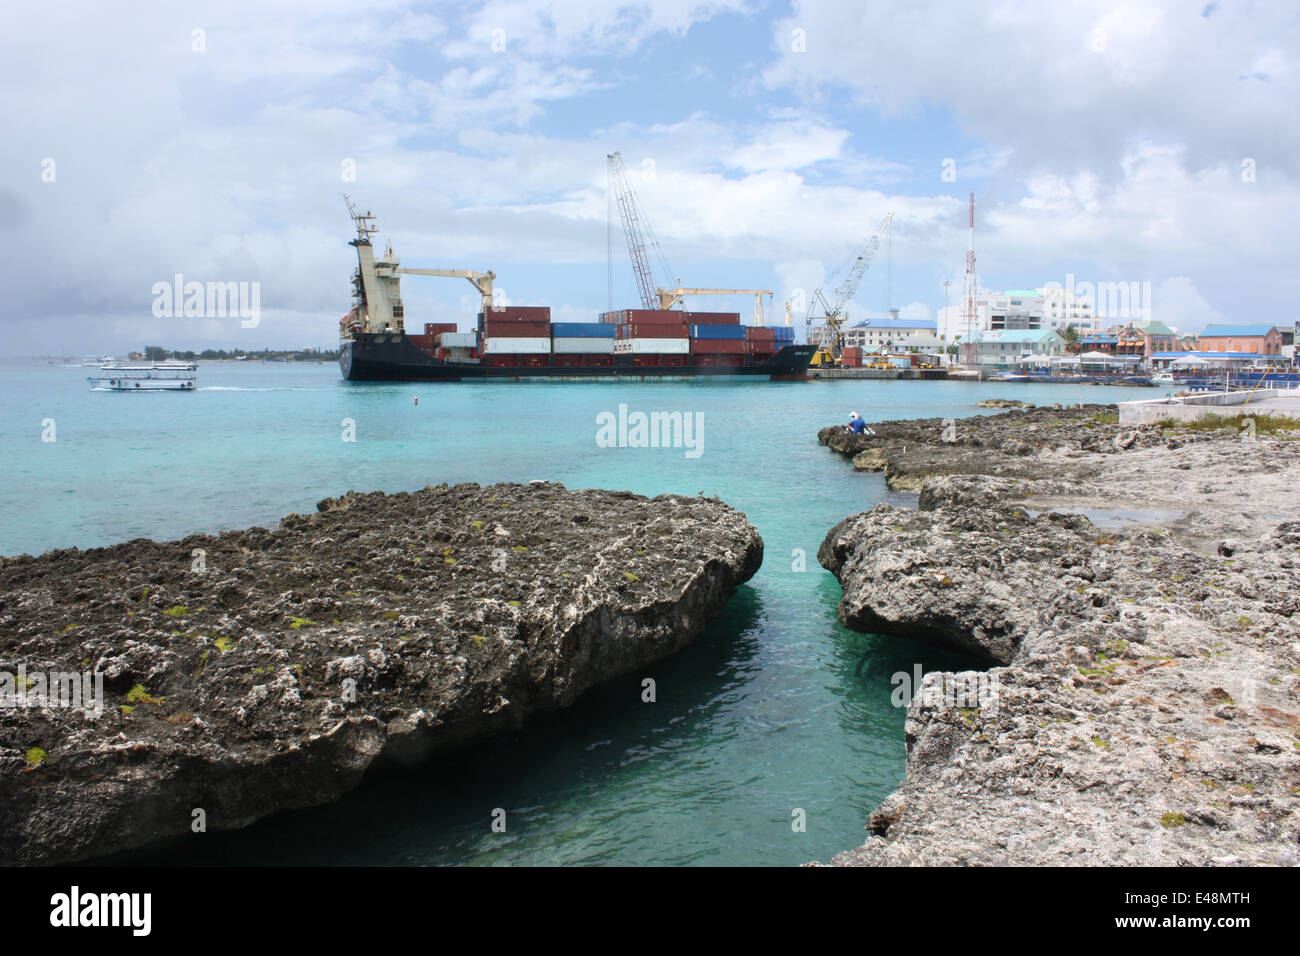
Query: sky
[1111, 142]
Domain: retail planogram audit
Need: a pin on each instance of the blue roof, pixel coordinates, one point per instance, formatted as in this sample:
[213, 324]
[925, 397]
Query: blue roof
[897, 324]
[1099, 339]
[1224, 331]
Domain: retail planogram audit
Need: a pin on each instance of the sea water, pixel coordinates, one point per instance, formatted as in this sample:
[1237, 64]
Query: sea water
[771, 738]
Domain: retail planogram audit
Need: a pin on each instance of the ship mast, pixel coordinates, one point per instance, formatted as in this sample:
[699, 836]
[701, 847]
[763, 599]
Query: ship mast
[365, 223]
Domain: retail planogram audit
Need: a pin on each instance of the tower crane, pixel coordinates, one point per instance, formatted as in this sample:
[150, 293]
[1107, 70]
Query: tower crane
[830, 342]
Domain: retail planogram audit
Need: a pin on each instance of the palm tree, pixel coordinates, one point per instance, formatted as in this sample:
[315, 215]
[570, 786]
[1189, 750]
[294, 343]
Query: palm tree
[1071, 336]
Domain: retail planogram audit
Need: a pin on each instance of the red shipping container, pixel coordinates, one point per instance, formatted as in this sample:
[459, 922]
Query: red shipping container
[597, 360]
[651, 330]
[422, 341]
[437, 328]
[760, 334]
[520, 313]
[718, 346]
[712, 318]
[516, 330]
[654, 315]
[675, 360]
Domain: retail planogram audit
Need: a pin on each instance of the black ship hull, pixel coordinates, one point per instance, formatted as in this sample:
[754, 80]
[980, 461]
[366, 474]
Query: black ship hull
[392, 357]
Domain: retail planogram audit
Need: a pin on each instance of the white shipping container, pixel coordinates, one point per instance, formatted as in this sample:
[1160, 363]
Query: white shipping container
[458, 340]
[504, 345]
[582, 346]
[659, 346]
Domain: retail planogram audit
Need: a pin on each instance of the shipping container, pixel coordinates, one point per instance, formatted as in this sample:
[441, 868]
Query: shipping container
[516, 346]
[654, 346]
[756, 333]
[653, 315]
[526, 330]
[717, 346]
[458, 340]
[784, 333]
[581, 346]
[519, 313]
[581, 330]
[712, 318]
[437, 328]
[851, 358]
[734, 332]
[425, 342]
[651, 330]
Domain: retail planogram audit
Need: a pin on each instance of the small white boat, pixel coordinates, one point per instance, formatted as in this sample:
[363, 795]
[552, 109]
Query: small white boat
[159, 377]
[1163, 378]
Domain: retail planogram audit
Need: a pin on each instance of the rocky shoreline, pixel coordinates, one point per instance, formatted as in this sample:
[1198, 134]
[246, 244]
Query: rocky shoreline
[261, 670]
[1142, 702]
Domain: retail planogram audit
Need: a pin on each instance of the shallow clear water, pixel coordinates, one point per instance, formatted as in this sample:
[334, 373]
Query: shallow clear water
[775, 707]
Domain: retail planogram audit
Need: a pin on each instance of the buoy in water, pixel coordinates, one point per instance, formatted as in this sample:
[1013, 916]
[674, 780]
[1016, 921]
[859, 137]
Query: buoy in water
[417, 399]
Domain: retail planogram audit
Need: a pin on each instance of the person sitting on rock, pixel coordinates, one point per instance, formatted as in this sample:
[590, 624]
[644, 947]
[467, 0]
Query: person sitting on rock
[857, 426]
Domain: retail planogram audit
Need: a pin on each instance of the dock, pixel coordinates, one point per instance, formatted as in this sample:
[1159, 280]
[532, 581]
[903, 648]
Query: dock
[1244, 402]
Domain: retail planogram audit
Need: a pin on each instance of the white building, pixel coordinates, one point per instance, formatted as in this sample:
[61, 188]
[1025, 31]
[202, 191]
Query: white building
[875, 332]
[1020, 310]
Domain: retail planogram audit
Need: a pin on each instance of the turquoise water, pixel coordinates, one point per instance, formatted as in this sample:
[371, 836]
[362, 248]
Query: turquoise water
[775, 707]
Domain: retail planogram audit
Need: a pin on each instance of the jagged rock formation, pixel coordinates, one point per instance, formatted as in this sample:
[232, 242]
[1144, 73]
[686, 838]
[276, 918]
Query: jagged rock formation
[259, 670]
[1145, 704]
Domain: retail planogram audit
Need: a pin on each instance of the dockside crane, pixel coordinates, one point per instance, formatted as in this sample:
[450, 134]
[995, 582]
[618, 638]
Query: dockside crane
[830, 341]
[630, 211]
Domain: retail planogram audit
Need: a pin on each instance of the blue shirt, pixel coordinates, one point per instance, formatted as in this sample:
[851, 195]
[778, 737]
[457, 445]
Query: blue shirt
[857, 426]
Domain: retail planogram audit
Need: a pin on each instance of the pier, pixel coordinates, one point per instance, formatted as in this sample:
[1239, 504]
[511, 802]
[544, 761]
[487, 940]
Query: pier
[1271, 401]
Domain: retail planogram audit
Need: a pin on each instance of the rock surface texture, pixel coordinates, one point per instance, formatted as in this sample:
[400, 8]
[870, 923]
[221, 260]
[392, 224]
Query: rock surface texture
[259, 670]
[1147, 697]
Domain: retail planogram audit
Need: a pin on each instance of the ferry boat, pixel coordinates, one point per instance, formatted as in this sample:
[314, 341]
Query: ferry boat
[522, 344]
[158, 377]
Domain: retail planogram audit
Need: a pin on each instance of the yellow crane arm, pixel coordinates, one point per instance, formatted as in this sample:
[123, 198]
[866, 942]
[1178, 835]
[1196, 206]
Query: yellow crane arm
[670, 297]
[479, 280]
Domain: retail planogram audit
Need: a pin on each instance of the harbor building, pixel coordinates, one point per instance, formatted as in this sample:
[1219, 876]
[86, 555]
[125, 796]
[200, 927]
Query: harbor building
[873, 333]
[1255, 339]
[1007, 347]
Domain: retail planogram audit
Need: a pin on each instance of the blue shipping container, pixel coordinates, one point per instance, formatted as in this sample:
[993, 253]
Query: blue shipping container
[718, 332]
[784, 333]
[582, 330]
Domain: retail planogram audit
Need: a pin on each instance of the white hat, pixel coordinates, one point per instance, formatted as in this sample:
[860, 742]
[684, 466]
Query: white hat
[853, 414]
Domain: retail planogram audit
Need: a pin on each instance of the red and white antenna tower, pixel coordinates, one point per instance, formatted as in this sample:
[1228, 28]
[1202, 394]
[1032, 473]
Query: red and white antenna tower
[969, 287]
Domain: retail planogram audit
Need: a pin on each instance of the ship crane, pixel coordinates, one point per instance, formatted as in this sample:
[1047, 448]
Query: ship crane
[482, 281]
[670, 297]
[831, 341]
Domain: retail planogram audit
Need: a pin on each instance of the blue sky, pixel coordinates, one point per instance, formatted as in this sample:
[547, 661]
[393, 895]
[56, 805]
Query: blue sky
[1103, 140]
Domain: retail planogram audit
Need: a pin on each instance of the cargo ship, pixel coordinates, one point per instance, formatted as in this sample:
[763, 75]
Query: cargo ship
[521, 343]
